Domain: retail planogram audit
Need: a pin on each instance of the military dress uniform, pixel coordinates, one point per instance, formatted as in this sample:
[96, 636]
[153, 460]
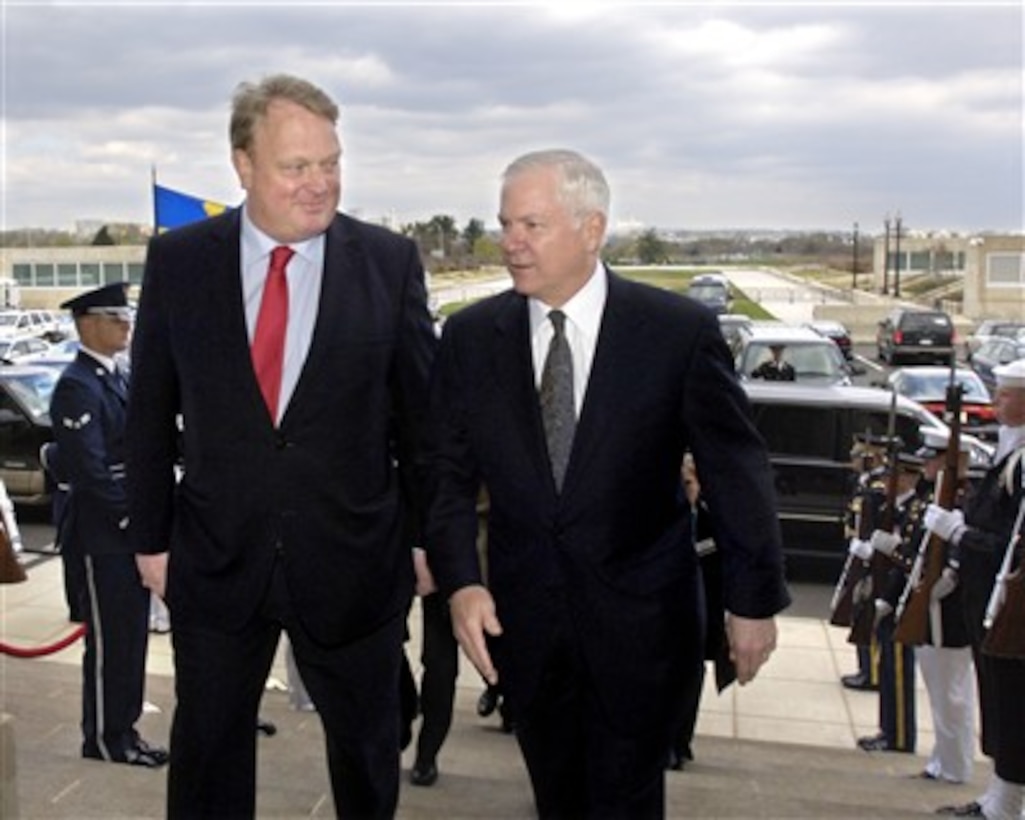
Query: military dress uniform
[981, 537]
[88, 414]
[945, 657]
[898, 728]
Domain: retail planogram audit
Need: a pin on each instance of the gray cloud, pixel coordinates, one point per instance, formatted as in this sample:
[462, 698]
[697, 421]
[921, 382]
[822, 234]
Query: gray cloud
[703, 115]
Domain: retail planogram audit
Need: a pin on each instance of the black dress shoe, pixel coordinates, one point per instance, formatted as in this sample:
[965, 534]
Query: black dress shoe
[859, 682]
[675, 761]
[488, 701]
[142, 754]
[875, 743]
[265, 727]
[972, 809]
[424, 774]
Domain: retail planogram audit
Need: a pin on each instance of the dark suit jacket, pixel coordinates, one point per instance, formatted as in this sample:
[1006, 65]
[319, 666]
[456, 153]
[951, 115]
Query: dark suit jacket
[88, 415]
[613, 554]
[329, 491]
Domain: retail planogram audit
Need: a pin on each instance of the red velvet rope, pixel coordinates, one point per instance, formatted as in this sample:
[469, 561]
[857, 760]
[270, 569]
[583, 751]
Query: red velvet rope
[48, 649]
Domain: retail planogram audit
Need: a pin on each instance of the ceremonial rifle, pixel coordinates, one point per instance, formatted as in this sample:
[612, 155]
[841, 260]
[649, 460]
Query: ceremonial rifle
[912, 615]
[855, 569]
[1005, 615]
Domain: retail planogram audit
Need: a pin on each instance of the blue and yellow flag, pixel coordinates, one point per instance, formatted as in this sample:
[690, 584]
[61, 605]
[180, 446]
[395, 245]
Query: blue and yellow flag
[172, 209]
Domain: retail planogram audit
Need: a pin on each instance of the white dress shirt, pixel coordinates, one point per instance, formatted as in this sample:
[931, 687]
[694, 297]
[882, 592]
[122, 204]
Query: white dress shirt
[583, 321]
[305, 272]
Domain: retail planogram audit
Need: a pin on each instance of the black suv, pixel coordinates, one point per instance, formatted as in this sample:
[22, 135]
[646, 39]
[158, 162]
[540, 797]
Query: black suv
[809, 431]
[24, 427]
[908, 334]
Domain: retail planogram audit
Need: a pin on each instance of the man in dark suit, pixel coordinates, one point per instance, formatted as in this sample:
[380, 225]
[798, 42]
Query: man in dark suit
[296, 507]
[593, 615]
[104, 587]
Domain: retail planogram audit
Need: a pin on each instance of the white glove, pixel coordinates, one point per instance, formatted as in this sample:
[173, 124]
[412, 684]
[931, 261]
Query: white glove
[860, 549]
[884, 542]
[947, 524]
[883, 608]
[945, 584]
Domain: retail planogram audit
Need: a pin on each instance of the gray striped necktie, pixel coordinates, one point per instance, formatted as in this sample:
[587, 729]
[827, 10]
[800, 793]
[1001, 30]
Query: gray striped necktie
[557, 409]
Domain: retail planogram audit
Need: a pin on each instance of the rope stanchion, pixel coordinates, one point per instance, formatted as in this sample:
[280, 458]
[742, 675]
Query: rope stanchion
[46, 649]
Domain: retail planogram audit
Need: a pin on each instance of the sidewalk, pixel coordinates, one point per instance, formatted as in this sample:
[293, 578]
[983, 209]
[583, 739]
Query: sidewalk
[783, 746]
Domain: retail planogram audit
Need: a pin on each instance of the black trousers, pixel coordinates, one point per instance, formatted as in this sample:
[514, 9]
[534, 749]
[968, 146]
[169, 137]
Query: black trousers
[579, 765]
[115, 606]
[219, 681]
[440, 658]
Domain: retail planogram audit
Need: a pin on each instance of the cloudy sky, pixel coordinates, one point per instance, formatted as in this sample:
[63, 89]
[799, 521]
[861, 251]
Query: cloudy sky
[703, 115]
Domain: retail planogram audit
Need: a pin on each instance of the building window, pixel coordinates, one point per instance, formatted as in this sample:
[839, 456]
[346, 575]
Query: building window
[67, 274]
[135, 270]
[1005, 269]
[44, 275]
[22, 273]
[89, 272]
[113, 272]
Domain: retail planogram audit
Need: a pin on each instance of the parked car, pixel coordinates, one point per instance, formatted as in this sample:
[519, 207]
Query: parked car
[809, 431]
[17, 349]
[25, 426]
[987, 329]
[995, 351]
[908, 334]
[927, 384]
[58, 355]
[813, 357]
[837, 332]
[712, 290]
[731, 324]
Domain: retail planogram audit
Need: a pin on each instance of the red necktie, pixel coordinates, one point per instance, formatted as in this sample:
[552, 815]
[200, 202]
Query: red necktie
[268, 349]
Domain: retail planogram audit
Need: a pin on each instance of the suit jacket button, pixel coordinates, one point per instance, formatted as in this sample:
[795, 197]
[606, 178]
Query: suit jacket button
[280, 442]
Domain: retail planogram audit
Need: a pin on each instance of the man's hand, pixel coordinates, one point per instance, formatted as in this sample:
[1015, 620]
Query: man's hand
[860, 549]
[473, 616]
[945, 584]
[884, 542]
[752, 641]
[425, 583]
[153, 571]
[947, 524]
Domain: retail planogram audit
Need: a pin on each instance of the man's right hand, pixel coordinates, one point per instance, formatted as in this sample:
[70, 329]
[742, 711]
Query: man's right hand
[473, 617]
[153, 571]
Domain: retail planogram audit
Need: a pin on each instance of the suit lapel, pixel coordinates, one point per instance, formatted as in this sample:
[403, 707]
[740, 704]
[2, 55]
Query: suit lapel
[513, 370]
[618, 335]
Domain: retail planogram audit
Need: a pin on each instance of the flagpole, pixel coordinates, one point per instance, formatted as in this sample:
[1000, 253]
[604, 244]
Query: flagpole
[153, 193]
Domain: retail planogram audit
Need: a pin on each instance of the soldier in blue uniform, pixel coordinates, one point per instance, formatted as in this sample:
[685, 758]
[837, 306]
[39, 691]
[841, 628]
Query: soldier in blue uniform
[897, 718]
[88, 413]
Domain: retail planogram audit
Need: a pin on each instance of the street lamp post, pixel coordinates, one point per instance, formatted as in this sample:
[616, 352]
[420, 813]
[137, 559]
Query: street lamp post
[896, 258]
[854, 264]
[886, 256]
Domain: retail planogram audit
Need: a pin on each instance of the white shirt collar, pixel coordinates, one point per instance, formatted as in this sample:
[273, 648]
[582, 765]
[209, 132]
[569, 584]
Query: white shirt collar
[107, 361]
[258, 245]
[584, 309]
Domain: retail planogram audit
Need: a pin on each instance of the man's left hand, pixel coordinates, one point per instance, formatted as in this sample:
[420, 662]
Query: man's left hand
[752, 641]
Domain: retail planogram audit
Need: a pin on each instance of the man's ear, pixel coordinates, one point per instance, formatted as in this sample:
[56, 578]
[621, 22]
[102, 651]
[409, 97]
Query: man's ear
[243, 167]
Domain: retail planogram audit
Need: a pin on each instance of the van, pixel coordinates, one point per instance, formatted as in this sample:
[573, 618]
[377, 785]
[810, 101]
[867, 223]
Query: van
[809, 432]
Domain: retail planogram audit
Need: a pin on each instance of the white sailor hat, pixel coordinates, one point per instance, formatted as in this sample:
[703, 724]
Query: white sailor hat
[934, 442]
[1011, 374]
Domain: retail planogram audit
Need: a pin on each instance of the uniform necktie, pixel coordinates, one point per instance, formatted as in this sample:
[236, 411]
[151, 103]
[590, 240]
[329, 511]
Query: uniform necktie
[557, 408]
[268, 349]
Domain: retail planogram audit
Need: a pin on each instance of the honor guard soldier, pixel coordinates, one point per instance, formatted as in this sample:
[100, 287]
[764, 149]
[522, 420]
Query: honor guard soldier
[853, 590]
[944, 657]
[897, 721]
[987, 538]
[88, 412]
